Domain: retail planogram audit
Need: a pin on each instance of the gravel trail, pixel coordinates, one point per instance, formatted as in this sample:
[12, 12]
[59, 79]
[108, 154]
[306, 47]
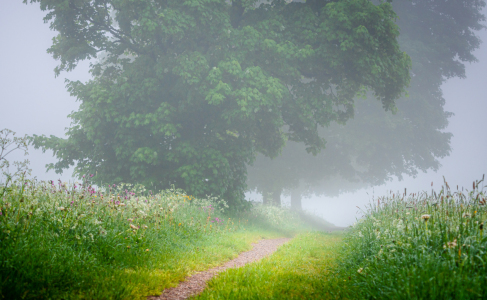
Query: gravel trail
[196, 283]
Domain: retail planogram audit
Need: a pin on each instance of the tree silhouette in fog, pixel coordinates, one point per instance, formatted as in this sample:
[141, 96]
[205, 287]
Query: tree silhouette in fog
[376, 146]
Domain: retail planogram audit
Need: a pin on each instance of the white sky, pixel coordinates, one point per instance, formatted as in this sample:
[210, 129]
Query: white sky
[33, 101]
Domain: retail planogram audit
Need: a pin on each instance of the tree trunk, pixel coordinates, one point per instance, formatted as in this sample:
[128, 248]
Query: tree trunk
[276, 197]
[296, 200]
[272, 197]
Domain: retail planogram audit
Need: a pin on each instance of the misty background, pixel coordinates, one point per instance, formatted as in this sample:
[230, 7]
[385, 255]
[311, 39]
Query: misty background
[33, 101]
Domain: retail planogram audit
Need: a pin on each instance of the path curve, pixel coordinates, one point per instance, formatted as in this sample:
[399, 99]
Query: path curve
[196, 283]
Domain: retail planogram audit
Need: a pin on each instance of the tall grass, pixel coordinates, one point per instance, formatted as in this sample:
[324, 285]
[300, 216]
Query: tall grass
[68, 241]
[62, 241]
[425, 246]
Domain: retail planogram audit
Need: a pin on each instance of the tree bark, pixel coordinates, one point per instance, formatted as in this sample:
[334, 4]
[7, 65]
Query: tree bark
[296, 200]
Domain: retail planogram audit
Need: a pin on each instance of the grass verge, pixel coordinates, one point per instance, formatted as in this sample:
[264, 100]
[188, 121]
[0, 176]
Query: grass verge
[300, 269]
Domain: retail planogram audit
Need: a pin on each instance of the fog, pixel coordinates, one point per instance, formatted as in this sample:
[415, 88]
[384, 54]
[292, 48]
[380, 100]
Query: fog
[33, 101]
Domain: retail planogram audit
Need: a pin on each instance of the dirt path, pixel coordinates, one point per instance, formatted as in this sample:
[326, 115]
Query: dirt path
[196, 283]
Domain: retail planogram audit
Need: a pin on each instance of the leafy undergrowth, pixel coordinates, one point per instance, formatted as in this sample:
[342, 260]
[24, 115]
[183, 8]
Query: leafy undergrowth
[63, 241]
[300, 269]
[419, 247]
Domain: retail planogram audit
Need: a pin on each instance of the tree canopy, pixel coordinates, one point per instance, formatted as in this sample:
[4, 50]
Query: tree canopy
[376, 146]
[186, 93]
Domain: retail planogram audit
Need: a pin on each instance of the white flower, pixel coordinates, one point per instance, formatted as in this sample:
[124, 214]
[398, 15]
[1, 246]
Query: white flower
[60, 208]
[425, 217]
[360, 270]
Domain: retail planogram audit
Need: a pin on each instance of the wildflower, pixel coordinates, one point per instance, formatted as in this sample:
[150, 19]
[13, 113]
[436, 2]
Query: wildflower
[128, 247]
[425, 217]
[60, 208]
[133, 226]
[179, 224]
[130, 220]
[146, 250]
[450, 244]
[466, 215]
[360, 270]
[144, 226]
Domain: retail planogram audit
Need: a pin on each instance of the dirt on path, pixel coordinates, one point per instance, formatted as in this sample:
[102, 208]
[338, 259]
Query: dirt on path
[196, 283]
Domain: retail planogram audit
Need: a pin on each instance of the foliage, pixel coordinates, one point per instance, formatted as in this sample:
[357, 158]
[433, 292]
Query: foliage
[9, 143]
[419, 247]
[299, 269]
[376, 146]
[186, 93]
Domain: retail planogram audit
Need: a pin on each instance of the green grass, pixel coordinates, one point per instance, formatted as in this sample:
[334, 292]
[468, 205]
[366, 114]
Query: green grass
[301, 269]
[62, 241]
[418, 247]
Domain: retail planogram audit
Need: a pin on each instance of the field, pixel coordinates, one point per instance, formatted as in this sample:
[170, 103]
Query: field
[61, 241]
[65, 241]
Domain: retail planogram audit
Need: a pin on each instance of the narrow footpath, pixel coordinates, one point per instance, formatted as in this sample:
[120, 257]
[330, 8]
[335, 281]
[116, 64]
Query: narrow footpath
[196, 283]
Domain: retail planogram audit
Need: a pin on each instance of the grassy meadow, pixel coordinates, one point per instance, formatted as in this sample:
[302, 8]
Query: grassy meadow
[420, 246]
[62, 241]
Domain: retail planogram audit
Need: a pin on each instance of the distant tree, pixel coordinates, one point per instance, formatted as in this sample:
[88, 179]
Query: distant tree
[189, 91]
[376, 146]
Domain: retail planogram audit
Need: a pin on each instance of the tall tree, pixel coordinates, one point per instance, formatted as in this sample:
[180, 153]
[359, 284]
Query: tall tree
[376, 146]
[189, 91]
